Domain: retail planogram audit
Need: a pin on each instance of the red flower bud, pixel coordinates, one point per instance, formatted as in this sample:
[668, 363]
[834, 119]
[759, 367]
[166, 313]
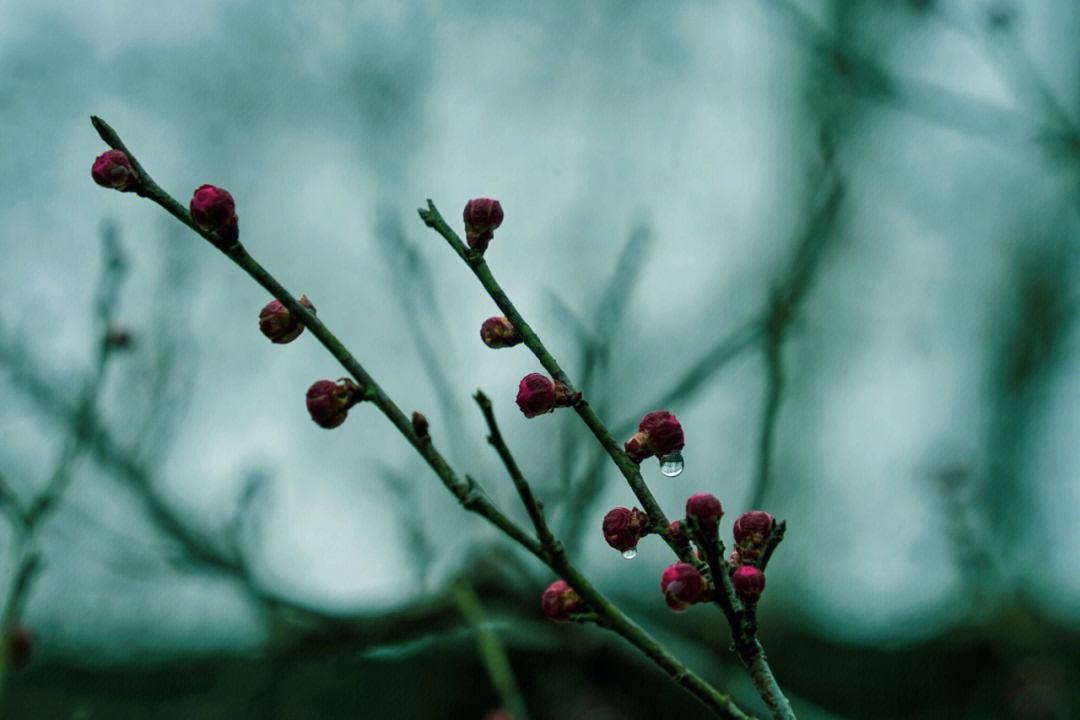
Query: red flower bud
[749, 583]
[482, 216]
[20, 646]
[560, 601]
[329, 401]
[537, 395]
[660, 434]
[682, 586]
[624, 527]
[278, 324]
[752, 530]
[706, 511]
[214, 210]
[498, 332]
[113, 169]
[664, 431]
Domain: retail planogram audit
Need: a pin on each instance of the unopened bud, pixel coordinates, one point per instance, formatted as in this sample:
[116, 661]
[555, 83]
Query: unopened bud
[659, 433]
[561, 602]
[420, 424]
[682, 586]
[278, 324]
[705, 510]
[752, 531]
[482, 216]
[113, 169]
[537, 395]
[624, 527]
[499, 332]
[749, 583]
[213, 210]
[328, 402]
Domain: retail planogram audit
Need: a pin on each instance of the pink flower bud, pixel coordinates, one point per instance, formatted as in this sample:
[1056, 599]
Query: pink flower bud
[705, 509]
[278, 324]
[213, 210]
[560, 601]
[113, 169]
[749, 583]
[664, 431]
[482, 216]
[682, 586]
[659, 433]
[537, 395]
[329, 401]
[498, 332]
[752, 530]
[624, 527]
[20, 646]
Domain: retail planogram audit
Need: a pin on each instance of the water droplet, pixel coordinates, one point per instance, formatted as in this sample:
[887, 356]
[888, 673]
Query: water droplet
[630, 554]
[671, 465]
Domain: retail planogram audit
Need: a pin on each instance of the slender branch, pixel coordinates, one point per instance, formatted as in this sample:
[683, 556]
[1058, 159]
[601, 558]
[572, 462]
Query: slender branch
[629, 469]
[464, 489]
[491, 649]
[533, 506]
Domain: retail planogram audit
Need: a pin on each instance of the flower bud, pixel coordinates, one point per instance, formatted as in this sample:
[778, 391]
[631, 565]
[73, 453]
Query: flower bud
[682, 586]
[278, 324]
[328, 402]
[538, 395]
[560, 602]
[420, 424]
[482, 216]
[499, 332]
[624, 527]
[675, 531]
[213, 210]
[112, 169]
[20, 646]
[664, 431]
[659, 433]
[705, 510]
[749, 583]
[752, 530]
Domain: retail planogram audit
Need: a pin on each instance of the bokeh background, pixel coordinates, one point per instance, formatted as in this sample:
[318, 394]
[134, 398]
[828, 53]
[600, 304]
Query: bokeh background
[839, 238]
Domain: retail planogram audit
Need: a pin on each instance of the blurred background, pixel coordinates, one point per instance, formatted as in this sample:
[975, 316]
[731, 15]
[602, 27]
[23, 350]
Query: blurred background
[839, 238]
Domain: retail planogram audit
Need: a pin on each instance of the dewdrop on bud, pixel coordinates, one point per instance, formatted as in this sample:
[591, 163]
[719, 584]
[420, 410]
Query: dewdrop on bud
[623, 529]
[752, 531]
[112, 169]
[328, 402]
[561, 602]
[482, 216]
[537, 395]
[749, 583]
[499, 332]
[659, 433]
[278, 324]
[213, 210]
[682, 586]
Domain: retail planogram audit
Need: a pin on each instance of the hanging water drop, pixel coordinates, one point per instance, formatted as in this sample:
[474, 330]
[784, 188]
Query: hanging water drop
[671, 465]
[630, 554]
